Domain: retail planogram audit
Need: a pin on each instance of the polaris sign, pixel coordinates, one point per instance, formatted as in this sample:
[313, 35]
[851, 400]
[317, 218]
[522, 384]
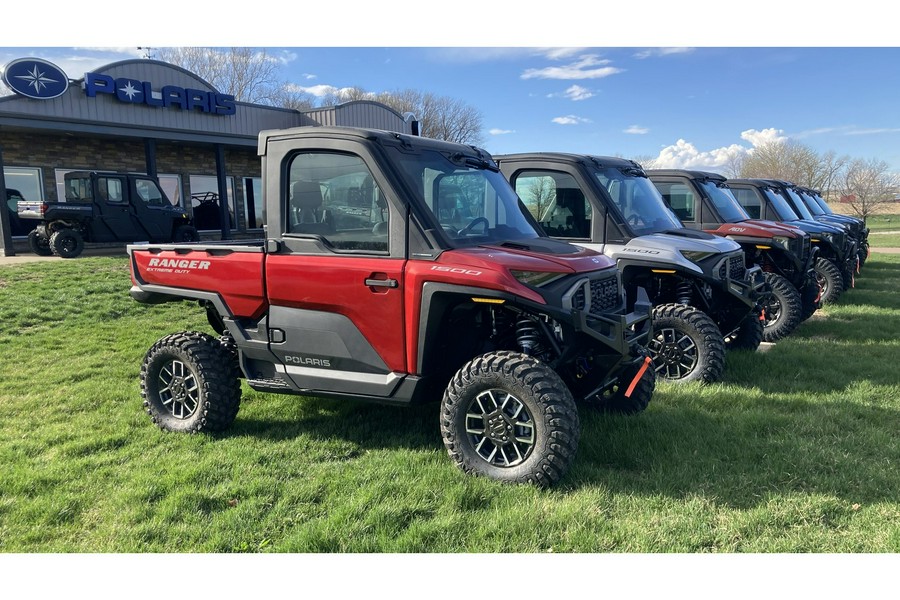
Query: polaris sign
[35, 78]
[133, 91]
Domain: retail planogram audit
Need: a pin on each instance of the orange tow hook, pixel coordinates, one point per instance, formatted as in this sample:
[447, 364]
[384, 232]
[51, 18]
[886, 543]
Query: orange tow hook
[640, 373]
[762, 315]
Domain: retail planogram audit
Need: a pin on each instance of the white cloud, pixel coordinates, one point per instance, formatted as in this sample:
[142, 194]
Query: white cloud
[636, 130]
[684, 155]
[765, 136]
[872, 131]
[576, 93]
[651, 52]
[570, 120]
[496, 131]
[588, 66]
[318, 90]
[478, 55]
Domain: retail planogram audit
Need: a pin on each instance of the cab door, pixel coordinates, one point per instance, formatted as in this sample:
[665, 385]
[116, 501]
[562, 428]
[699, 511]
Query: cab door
[117, 220]
[336, 281]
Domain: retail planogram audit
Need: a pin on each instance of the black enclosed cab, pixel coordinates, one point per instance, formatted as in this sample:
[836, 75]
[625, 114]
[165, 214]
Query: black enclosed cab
[105, 207]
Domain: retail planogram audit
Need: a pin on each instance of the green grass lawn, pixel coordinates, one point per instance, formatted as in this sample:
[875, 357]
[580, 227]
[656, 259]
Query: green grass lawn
[884, 240]
[795, 451]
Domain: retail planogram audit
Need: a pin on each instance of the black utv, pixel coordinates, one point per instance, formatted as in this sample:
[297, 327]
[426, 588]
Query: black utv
[105, 207]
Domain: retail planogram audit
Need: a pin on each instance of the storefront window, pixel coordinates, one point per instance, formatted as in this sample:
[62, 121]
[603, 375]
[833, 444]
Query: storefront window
[205, 202]
[253, 205]
[171, 185]
[26, 181]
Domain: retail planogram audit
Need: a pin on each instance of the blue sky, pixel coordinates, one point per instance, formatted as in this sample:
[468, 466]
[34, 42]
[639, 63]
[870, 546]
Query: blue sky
[689, 100]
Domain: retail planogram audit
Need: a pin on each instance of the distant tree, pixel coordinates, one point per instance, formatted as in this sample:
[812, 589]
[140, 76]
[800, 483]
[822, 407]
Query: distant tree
[831, 170]
[645, 160]
[440, 117]
[792, 161]
[249, 74]
[776, 160]
[734, 164]
[869, 185]
[538, 196]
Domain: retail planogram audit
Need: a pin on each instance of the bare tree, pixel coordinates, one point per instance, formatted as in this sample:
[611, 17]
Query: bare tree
[795, 162]
[539, 195]
[249, 74]
[440, 117]
[868, 184]
[831, 171]
[645, 160]
[734, 164]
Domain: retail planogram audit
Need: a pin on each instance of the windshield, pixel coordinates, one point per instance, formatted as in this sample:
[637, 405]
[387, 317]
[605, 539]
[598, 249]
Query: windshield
[810, 203]
[637, 200]
[822, 204]
[724, 201]
[781, 206]
[799, 206]
[473, 204]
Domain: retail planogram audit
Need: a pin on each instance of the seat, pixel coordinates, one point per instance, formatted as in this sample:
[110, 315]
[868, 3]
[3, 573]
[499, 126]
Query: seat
[307, 215]
[306, 201]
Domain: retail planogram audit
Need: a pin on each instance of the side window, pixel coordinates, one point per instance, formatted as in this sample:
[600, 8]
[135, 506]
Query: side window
[749, 200]
[681, 200]
[556, 202]
[334, 195]
[110, 190]
[149, 192]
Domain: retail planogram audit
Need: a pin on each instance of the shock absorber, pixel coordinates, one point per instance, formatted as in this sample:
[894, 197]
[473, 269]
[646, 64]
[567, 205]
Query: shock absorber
[528, 335]
[683, 292]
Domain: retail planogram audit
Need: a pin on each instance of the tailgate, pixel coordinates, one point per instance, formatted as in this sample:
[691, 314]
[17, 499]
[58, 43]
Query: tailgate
[231, 277]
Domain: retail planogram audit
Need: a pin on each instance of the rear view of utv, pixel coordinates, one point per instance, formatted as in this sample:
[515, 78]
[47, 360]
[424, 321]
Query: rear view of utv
[702, 200]
[766, 199]
[699, 285]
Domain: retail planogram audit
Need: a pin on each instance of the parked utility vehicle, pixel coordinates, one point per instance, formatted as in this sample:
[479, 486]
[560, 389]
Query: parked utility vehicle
[822, 212]
[766, 199]
[703, 293]
[702, 200]
[847, 260]
[105, 207]
[396, 269]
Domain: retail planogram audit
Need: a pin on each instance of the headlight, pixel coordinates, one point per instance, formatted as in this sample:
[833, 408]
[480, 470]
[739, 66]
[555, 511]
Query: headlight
[536, 278]
[781, 241]
[696, 256]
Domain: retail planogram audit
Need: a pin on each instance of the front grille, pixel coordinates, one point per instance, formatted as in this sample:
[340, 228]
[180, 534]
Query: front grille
[733, 268]
[604, 292]
[801, 246]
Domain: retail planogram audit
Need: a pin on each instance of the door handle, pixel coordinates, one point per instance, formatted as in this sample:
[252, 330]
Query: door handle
[388, 283]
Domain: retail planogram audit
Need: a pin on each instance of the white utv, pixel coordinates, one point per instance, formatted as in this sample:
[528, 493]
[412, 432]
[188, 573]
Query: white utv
[705, 299]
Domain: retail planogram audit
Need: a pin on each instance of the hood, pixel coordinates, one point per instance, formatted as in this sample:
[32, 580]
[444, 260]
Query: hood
[535, 255]
[758, 229]
[675, 240]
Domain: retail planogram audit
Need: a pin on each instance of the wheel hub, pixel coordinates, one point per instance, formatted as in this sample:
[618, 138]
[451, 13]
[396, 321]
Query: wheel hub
[178, 390]
[675, 353]
[500, 428]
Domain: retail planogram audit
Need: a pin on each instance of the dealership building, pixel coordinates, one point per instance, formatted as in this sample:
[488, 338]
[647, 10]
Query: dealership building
[151, 117]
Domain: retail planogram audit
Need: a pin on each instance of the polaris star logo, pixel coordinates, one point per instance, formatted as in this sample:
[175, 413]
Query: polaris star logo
[35, 78]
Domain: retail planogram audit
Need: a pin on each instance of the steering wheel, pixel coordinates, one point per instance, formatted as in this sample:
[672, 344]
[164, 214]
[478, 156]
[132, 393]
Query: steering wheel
[473, 223]
[634, 219]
